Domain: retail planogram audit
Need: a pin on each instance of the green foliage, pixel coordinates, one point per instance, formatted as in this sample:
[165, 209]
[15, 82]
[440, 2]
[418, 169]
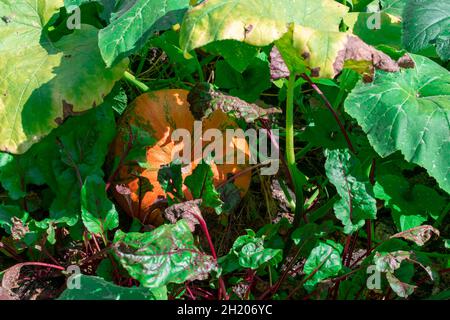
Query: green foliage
[134, 24]
[97, 212]
[408, 111]
[323, 262]
[359, 91]
[44, 86]
[426, 23]
[95, 288]
[170, 248]
[171, 180]
[410, 205]
[200, 184]
[357, 203]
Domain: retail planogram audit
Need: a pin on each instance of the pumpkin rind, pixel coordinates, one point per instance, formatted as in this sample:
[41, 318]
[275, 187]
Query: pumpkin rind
[160, 113]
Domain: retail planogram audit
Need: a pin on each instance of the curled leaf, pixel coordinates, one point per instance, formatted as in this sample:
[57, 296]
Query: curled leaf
[204, 100]
[390, 261]
[278, 68]
[189, 211]
[420, 235]
[402, 289]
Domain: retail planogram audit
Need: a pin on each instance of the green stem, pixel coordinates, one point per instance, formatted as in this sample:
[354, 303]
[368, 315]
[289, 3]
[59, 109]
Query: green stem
[289, 199]
[312, 199]
[290, 151]
[297, 177]
[138, 84]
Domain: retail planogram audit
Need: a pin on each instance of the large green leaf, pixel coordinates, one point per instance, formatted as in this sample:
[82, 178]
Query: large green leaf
[42, 81]
[357, 203]
[136, 24]
[97, 211]
[427, 22]
[255, 22]
[107, 6]
[96, 288]
[408, 111]
[306, 33]
[165, 255]
[387, 34]
[392, 7]
[410, 205]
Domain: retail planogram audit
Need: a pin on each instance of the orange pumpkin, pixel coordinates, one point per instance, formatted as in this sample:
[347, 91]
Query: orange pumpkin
[160, 113]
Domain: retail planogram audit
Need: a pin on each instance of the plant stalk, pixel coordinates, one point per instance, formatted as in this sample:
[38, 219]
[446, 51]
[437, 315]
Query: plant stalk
[134, 81]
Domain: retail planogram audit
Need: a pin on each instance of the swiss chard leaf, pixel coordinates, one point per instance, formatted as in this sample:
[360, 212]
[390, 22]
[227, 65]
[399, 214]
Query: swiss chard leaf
[324, 261]
[165, 255]
[201, 185]
[97, 212]
[357, 203]
[249, 252]
[96, 288]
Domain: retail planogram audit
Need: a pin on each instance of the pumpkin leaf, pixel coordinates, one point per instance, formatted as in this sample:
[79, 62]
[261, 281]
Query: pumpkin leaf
[324, 261]
[302, 50]
[392, 7]
[201, 185]
[135, 24]
[255, 22]
[410, 205]
[387, 34]
[408, 111]
[97, 212]
[165, 255]
[43, 85]
[357, 203]
[105, 10]
[426, 23]
[96, 288]
[298, 34]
